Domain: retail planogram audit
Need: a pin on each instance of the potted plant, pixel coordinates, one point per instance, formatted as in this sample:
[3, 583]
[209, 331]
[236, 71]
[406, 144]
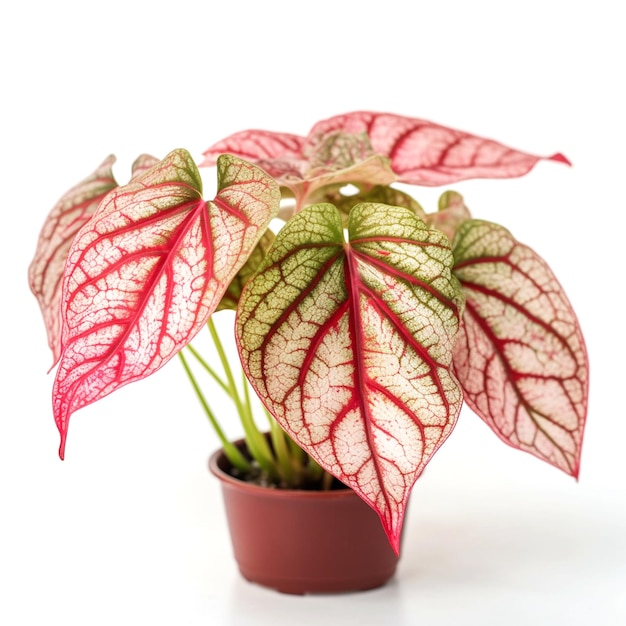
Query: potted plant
[362, 321]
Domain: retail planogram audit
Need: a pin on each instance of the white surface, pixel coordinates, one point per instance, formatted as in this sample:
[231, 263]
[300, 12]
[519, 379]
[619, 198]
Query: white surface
[129, 529]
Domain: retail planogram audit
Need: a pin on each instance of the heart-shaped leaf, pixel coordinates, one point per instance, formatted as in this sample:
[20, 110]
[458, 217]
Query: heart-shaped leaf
[424, 153]
[147, 271]
[67, 217]
[521, 357]
[349, 346]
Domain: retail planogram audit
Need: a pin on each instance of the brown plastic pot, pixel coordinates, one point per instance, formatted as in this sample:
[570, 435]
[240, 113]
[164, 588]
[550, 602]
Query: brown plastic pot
[301, 542]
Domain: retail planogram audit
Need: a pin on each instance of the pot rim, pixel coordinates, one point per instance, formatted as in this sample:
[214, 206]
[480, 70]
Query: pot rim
[271, 492]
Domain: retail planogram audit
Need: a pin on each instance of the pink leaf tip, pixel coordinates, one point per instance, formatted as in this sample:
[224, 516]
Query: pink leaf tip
[560, 158]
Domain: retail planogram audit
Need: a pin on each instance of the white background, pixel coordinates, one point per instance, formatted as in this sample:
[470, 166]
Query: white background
[129, 529]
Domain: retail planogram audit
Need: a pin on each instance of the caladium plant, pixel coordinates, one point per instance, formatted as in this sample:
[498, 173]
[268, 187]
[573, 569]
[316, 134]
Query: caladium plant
[362, 321]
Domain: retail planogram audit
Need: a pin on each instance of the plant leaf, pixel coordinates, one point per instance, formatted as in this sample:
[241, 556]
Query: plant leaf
[332, 159]
[349, 346]
[380, 194]
[142, 164]
[230, 299]
[521, 357]
[451, 214]
[67, 217]
[424, 153]
[259, 146]
[343, 158]
[146, 272]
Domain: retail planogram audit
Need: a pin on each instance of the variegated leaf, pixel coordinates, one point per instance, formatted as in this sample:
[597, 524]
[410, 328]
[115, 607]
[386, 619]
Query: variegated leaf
[142, 164]
[349, 346]
[381, 194]
[258, 146]
[424, 153]
[146, 272]
[230, 299]
[521, 357]
[67, 217]
[451, 214]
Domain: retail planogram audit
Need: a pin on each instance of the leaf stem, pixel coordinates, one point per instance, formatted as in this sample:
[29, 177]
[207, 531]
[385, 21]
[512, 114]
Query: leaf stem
[231, 451]
[255, 440]
[208, 368]
[285, 461]
[278, 456]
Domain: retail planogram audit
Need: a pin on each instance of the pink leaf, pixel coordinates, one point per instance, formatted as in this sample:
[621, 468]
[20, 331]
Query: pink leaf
[142, 164]
[424, 153]
[521, 357]
[67, 217]
[451, 214]
[146, 272]
[420, 152]
[349, 346]
[256, 145]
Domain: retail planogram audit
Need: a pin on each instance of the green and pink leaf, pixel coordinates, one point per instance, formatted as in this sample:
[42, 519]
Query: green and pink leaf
[142, 164]
[451, 214]
[381, 194]
[521, 357]
[349, 346]
[146, 272]
[67, 217]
